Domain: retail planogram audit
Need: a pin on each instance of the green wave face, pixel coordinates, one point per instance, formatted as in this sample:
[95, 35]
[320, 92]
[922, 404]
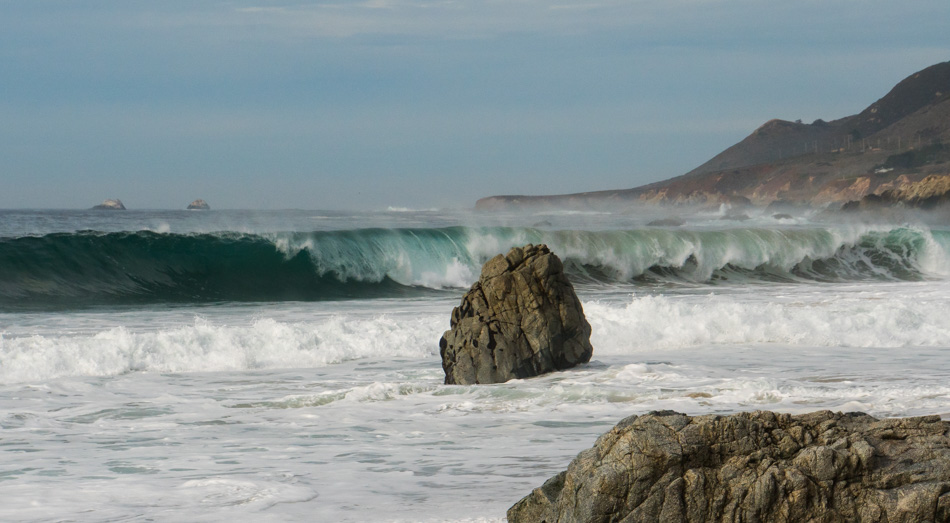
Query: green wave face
[90, 268]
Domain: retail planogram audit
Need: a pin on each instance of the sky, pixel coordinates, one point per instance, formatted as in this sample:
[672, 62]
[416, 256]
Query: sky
[367, 105]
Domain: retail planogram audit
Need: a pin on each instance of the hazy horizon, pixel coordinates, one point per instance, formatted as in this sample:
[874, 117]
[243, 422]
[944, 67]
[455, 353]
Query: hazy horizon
[405, 104]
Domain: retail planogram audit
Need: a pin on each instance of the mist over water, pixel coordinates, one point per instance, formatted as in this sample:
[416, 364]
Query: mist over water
[281, 367]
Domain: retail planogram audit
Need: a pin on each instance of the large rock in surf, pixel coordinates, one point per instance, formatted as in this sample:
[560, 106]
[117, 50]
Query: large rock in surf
[199, 205]
[758, 466]
[520, 319]
[110, 205]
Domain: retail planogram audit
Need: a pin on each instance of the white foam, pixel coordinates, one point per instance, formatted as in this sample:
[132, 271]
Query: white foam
[456, 275]
[410, 209]
[161, 227]
[378, 437]
[860, 317]
[261, 344]
[935, 258]
[451, 260]
[258, 495]
[883, 315]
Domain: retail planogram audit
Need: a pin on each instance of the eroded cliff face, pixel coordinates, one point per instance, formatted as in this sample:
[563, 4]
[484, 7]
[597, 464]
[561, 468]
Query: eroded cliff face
[843, 190]
[928, 193]
[928, 188]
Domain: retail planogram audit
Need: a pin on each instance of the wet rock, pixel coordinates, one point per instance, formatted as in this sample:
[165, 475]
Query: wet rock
[758, 466]
[110, 205]
[667, 222]
[199, 205]
[520, 319]
[736, 217]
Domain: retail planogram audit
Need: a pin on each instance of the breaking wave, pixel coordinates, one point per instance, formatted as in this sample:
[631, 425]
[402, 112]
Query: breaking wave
[65, 270]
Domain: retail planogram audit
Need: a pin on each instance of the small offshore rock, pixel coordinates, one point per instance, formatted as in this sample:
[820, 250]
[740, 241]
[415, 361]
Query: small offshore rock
[667, 222]
[199, 205]
[736, 217]
[753, 466]
[520, 319]
[110, 205]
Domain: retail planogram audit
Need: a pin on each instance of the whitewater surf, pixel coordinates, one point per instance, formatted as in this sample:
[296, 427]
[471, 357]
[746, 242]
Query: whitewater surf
[284, 366]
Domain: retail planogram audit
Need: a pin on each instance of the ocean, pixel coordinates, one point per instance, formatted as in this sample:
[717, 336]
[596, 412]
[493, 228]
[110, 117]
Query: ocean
[284, 366]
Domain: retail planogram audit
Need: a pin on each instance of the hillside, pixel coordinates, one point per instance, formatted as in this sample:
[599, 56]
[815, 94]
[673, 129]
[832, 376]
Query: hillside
[898, 139]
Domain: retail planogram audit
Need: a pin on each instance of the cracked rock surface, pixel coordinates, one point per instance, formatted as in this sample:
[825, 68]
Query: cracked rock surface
[520, 319]
[753, 467]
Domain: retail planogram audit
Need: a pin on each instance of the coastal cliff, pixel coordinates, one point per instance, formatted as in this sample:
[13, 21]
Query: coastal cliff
[897, 140]
[931, 192]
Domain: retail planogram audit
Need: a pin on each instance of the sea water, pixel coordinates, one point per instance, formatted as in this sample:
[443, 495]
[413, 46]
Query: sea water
[284, 366]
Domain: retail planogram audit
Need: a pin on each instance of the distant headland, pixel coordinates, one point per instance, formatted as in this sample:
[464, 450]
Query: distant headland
[901, 140]
[199, 205]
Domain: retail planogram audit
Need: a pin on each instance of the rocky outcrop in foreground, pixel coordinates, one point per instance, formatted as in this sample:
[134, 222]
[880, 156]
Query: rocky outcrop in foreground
[199, 205]
[110, 205]
[520, 319]
[754, 467]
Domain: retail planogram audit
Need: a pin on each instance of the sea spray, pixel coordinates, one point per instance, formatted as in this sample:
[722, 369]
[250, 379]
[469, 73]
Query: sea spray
[860, 315]
[857, 315]
[263, 343]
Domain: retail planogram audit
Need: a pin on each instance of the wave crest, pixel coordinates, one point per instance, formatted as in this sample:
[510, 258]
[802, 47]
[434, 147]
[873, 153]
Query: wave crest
[90, 268]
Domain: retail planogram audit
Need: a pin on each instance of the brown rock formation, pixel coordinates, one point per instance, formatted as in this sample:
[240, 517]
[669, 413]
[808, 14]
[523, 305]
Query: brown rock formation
[520, 319]
[760, 466]
[110, 205]
[931, 192]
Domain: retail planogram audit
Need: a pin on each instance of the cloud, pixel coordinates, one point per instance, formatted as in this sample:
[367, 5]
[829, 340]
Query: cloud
[537, 92]
[670, 20]
[421, 19]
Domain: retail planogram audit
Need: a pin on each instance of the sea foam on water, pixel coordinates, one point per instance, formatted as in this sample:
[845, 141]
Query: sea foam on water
[262, 343]
[855, 315]
[295, 375]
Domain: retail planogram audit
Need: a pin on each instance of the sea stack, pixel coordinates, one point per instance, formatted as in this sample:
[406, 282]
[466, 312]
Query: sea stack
[110, 205]
[753, 466]
[199, 205]
[520, 319]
